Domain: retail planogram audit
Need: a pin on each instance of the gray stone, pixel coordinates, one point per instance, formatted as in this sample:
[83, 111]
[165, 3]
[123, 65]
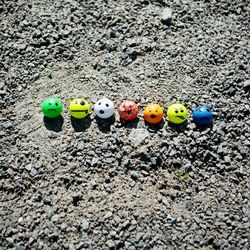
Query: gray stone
[85, 225]
[2, 85]
[47, 200]
[134, 175]
[110, 243]
[64, 226]
[166, 202]
[2, 92]
[33, 172]
[108, 215]
[10, 241]
[94, 161]
[55, 246]
[28, 167]
[55, 217]
[125, 224]
[80, 146]
[20, 247]
[63, 162]
[166, 15]
[10, 172]
[227, 159]
[71, 246]
[23, 46]
[25, 23]
[246, 84]
[189, 206]
[138, 136]
[50, 168]
[109, 160]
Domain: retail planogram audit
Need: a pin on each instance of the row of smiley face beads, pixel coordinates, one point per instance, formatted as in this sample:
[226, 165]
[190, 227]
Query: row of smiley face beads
[104, 108]
[177, 114]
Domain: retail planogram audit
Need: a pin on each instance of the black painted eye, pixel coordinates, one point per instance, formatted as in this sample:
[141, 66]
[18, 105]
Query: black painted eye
[208, 110]
[182, 110]
[56, 104]
[50, 103]
[107, 105]
[82, 103]
[176, 111]
[75, 102]
[99, 103]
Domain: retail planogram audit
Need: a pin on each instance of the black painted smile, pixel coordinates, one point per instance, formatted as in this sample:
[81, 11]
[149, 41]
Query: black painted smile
[86, 111]
[181, 117]
[52, 110]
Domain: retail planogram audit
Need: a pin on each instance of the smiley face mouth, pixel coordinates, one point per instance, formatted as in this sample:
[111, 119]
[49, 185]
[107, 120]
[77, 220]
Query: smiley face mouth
[52, 110]
[85, 111]
[153, 116]
[180, 117]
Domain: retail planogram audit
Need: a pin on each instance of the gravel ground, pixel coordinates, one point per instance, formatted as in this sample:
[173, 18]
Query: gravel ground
[114, 185]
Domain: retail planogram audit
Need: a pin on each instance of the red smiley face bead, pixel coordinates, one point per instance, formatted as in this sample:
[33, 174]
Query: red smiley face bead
[128, 110]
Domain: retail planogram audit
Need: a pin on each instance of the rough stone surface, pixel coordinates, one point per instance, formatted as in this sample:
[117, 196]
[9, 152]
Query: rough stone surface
[93, 184]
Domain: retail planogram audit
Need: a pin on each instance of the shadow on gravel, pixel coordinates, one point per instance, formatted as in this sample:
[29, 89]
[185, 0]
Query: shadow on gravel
[201, 128]
[104, 124]
[178, 127]
[130, 124]
[80, 125]
[155, 127]
[54, 124]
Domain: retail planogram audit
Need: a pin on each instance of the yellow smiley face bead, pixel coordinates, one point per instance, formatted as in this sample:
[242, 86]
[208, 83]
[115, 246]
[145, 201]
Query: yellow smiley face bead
[177, 113]
[79, 108]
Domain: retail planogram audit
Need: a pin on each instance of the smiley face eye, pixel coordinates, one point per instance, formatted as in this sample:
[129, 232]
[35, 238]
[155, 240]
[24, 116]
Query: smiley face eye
[99, 103]
[56, 104]
[182, 110]
[50, 103]
[107, 105]
[208, 110]
[82, 103]
[76, 102]
[176, 111]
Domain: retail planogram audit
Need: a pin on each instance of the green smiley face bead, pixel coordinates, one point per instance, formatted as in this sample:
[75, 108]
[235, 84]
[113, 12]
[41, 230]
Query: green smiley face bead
[51, 107]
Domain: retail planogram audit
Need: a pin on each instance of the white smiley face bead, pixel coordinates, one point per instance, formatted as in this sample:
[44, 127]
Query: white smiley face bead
[104, 108]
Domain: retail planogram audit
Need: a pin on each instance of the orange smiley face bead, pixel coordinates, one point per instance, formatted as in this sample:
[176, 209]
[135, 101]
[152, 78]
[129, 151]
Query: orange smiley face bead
[153, 113]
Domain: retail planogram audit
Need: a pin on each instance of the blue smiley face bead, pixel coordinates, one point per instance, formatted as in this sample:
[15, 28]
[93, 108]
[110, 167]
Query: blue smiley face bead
[202, 115]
